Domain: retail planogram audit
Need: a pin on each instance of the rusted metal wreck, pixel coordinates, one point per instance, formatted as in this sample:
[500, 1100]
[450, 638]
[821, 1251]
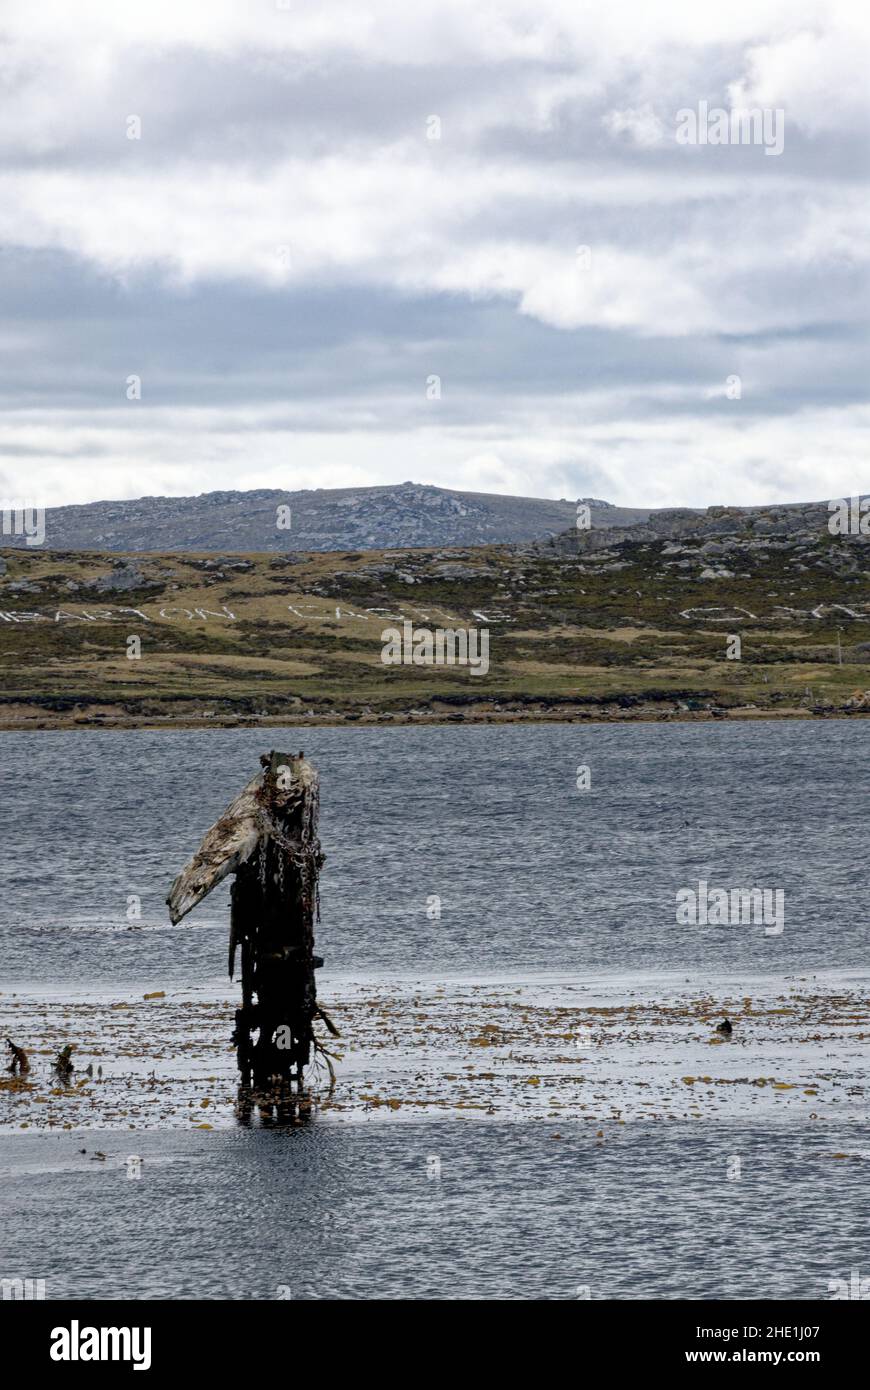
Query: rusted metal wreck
[268, 838]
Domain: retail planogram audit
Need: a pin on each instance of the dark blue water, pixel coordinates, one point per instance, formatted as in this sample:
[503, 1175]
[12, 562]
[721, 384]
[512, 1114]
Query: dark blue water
[532, 874]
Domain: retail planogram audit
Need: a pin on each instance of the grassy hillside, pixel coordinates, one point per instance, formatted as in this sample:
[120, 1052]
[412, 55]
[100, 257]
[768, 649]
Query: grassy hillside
[620, 633]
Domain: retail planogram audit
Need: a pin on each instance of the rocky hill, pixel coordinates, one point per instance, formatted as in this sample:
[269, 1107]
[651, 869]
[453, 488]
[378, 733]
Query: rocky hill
[363, 518]
[717, 530]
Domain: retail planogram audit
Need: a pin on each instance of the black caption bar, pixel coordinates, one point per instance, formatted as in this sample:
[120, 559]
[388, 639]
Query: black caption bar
[151, 1338]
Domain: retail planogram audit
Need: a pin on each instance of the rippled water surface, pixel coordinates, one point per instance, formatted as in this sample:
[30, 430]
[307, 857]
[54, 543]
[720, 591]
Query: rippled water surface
[516, 1214]
[535, 879]
[351, 1213]
[531, 873]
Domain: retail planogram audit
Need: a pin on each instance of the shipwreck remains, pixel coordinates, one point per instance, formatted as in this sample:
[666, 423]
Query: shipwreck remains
[268, 838]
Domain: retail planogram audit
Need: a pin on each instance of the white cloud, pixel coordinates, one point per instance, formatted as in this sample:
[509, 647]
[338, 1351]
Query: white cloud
[575, 445]
[640, 124]
[818, 79]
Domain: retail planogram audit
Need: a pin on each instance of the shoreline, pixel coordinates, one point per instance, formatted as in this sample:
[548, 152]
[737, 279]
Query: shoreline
[739, 714]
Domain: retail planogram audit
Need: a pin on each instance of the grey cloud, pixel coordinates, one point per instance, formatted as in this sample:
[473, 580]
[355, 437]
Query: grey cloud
[225, 344]
[350, 349]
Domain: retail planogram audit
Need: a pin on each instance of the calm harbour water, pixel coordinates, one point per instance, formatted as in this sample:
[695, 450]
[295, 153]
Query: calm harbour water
[531, 873]
[533, 876]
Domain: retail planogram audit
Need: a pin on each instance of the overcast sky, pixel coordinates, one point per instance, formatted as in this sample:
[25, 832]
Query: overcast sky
[286, 256]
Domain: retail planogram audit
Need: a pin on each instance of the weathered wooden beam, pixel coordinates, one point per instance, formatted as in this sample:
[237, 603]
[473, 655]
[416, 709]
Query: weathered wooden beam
[228, 843]
[267, 837]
